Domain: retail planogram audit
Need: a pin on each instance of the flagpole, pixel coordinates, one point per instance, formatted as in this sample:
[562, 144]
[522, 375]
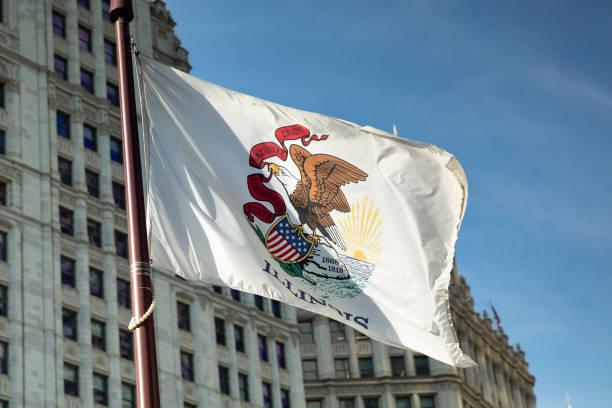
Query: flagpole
[145, 358]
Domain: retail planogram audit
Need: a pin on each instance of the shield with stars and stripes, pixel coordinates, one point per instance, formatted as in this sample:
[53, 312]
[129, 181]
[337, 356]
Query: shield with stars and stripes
[285, 244]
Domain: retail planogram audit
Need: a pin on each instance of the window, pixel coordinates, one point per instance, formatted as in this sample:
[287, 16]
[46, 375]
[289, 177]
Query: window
[87, 80]
[66, 221]
[112, 94]
[403, 402]
[2, 193]
[84, 38]
[280, 355]
[59, 24]
[306, 333]
[2, 142]
[71, 379]
[235, 294]
[188, 405]
[90, 139]
[83, 3]
[62, 124]
[67, 266]
[398, 367]
[92, 179]
[341, 367]
[258, 302]
[218, 289]
[285, 398]
[126, 344]
[224, 385]
[124, 296]
[314, 404]
[3, 246]
[116, 153]
[65, 170]
[187, 366]
[121, 244]
[119, 195]
[243, 387]
[220, 331]
[100, 390]
[267, 394]
[128, 396]
[239, 338]
[421, 365]
[110, 52]
[94, 232]
[69, 324]
[98, 335]
[428, 401]
[366, 368]
[346, 403]
[337, 331]
[182, 313]
[276, 308]
[370, 402]
[60, 67]
[3, 300]
[106, 10]
[4, 357]
[309, 368]
[262, 346]
[96, 282]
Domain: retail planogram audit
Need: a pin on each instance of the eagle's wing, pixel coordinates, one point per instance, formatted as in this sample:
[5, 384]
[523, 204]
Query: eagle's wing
[327, 174]
[299, 197]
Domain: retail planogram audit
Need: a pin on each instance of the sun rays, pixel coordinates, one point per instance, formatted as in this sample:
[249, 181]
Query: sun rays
[362, 231]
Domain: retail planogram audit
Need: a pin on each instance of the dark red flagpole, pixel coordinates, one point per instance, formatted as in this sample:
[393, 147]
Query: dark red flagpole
[147, 386]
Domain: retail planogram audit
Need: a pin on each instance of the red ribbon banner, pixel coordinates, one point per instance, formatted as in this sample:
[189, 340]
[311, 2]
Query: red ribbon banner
[259, 153]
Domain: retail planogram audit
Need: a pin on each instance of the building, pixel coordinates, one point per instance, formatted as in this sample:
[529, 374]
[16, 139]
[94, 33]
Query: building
[64, 282]
[345, 369]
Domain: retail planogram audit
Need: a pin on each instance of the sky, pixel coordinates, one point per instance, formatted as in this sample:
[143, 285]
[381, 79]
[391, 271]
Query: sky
[520, 92]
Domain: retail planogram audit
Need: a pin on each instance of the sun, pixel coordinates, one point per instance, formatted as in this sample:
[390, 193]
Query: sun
[361, 229]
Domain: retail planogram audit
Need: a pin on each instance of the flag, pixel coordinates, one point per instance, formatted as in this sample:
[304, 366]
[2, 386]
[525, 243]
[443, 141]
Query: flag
[348, 222]
[495, 315]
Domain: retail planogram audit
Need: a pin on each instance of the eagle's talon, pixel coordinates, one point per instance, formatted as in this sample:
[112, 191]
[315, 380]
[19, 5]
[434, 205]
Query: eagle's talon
[315, 239]
[298, 228]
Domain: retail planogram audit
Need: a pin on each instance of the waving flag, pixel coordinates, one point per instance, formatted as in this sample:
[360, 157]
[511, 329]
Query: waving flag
[346, 221]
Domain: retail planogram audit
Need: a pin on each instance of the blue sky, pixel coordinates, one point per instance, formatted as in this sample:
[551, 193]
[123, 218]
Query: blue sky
[519, 92]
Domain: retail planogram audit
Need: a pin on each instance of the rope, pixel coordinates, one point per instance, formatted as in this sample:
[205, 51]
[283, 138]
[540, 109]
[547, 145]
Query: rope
[142, 268]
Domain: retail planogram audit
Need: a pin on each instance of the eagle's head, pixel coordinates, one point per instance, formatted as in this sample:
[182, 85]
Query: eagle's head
[288, 180]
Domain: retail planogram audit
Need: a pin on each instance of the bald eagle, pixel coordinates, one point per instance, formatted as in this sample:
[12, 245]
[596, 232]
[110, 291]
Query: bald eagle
[317, 192]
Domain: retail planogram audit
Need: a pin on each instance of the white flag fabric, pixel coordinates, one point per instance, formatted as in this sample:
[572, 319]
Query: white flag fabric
[348, 222]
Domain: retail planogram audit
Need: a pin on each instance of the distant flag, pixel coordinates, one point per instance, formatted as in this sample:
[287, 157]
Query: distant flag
[495, 315]
[342, 220]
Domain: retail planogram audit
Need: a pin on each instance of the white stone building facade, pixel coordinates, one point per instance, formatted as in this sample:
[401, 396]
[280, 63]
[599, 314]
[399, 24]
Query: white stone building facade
[345, 369]
[64, 302]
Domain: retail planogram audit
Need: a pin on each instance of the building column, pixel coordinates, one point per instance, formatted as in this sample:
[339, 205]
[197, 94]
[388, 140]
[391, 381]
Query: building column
[484, 376]
[353, 361]
[233, 362]
[276, 397]
[359, 401]
[415, 401]
[84, 314]
[72, 39]
[449, 398]
[15, 313]
[409, 361]
[380, 357]
[206, 344]
[252, 349]
[325, 360]
[13, 111]
[294, 366]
